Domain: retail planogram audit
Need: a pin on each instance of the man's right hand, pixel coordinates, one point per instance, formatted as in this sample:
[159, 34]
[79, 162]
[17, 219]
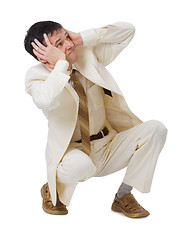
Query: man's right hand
[48, 54]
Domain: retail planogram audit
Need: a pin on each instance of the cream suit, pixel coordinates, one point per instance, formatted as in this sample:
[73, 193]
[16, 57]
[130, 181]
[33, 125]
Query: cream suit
[52, 93]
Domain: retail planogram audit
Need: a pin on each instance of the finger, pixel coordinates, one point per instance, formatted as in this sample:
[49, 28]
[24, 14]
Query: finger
[40, 45]
[67, 31]
[40, 55]
[50, 65]
[46, 39]
[41, 60]
[37, 48]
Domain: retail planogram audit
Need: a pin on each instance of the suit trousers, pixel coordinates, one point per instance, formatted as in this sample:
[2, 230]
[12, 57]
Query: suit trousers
[137, 149]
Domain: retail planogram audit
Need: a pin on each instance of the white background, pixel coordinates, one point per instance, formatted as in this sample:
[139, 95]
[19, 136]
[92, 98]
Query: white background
[149, 73]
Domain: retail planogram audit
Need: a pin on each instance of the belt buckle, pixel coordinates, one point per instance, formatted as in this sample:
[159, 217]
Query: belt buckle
[102, 133]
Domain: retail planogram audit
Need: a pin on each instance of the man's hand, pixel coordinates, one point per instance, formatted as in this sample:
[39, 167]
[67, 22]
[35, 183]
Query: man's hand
[49, 54]
[75, 37]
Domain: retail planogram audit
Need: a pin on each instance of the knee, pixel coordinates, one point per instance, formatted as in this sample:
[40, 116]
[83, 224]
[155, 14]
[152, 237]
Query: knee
[75, 169]
[158, 127]
[65, 176]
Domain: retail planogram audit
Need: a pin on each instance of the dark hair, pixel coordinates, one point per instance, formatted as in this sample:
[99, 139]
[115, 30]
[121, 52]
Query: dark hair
[36, 31]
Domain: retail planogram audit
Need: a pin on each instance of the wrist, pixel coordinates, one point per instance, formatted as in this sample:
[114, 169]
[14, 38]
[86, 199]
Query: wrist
[62, 65]
[88, 36]
[61, 57]
[78, 40]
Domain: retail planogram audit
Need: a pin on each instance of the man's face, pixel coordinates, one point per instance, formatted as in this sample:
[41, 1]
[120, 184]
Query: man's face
[61, 40]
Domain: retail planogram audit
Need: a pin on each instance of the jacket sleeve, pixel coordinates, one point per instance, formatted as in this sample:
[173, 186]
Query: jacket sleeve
[108, 41]
[46, 91]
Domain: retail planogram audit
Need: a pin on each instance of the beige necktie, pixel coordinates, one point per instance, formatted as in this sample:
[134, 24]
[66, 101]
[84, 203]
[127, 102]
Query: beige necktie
[83, 112]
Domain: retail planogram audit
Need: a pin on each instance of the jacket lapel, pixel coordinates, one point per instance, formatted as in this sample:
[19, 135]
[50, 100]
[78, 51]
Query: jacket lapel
[89, 67]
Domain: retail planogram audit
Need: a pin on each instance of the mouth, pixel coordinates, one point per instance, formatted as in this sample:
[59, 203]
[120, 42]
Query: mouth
[71, 52]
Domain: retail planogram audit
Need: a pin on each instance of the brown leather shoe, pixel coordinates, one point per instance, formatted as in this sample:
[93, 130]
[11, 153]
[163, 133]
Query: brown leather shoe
[129, 206]
[48, 207]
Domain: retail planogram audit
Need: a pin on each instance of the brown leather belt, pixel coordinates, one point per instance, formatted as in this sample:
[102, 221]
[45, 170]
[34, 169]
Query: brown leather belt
[99, 135]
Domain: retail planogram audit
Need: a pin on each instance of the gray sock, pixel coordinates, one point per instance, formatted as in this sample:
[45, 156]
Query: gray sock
[123, 189]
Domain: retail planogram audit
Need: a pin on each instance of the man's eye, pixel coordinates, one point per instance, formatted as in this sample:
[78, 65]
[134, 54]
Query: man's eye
[59, 45]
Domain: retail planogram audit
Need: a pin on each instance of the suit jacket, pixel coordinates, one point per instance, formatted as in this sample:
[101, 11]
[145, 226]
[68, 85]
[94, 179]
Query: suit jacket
[52, 93]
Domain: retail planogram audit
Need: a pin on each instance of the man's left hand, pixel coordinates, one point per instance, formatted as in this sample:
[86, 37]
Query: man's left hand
[75, 37]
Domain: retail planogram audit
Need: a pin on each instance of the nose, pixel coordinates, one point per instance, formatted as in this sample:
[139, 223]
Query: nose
[68, 45]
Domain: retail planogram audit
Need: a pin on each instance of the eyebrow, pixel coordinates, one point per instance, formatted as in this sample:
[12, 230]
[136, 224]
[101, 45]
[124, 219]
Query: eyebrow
[58, 40]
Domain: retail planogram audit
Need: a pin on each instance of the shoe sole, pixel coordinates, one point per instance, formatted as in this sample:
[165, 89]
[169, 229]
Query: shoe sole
[117, 208]
[55, 212]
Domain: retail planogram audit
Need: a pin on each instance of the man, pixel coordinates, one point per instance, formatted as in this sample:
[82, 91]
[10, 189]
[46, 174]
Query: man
[92, 131]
